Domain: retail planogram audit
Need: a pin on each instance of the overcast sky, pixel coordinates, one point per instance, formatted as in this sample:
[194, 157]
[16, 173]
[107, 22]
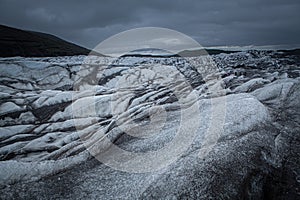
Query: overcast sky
[210, 22]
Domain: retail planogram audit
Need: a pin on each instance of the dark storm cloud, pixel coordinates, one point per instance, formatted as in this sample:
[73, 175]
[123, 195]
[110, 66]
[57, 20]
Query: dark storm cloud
[210, 22]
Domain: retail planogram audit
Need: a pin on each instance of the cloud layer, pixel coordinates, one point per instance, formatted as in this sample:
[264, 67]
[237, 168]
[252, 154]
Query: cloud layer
[210, 22]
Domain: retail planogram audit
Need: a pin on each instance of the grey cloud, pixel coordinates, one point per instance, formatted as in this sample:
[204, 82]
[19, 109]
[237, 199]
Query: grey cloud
[211, 22]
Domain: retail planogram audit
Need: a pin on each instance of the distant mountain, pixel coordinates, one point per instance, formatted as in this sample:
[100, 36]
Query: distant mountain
[16, 42]
[200, 52]
[151, 52]
[290, 52]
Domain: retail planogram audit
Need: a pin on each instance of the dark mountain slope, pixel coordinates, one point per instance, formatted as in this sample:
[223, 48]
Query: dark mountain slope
[16, 42]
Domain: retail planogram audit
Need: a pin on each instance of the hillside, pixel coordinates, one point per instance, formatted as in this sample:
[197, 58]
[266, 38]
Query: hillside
[16, 42]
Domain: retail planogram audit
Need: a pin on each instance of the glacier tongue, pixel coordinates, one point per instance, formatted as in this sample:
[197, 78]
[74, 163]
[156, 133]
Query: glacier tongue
[209, 121]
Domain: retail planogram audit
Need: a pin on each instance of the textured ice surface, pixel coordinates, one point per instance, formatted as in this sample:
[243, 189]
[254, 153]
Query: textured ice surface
[49, 106]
